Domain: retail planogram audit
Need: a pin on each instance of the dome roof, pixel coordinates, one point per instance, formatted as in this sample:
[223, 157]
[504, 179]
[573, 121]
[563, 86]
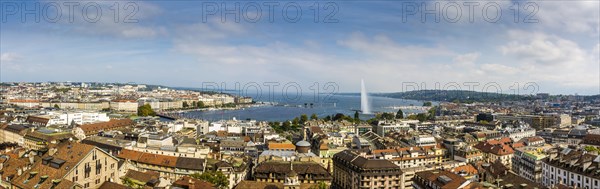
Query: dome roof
[303, 143]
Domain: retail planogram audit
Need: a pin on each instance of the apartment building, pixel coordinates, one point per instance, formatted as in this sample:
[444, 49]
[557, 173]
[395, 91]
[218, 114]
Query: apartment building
[571, 167]
[527, 162]
[352, 170]
[168, 166]
[70, 164]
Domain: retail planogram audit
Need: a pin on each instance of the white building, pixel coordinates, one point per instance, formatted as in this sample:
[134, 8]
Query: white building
[573, 168]
[423, 140]
[80, 118]
[385, 127]
[520, 133]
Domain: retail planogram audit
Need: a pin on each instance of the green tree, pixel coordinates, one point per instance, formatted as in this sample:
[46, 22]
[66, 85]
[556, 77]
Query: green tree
[431, 113]
[303, 118]
[338, 117]
[356, 116]
[200, 104]
[217, 178]
[56, 106]
[422, 117]
[131, 183]
[427, 103]
[327, 118]
[295, 121]
[319, 185]
[185, 104]
[146, 110]
[387, 116]
[400, 114]
[314, 117]
[286, 125]
[591, 149]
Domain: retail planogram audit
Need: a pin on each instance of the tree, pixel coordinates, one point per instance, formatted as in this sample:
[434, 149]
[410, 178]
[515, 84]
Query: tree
[217, 178]
[327, 118]
[295, 121]
[319, 185]
[427, 103]
[146, 110]
[56, 106]
[303, 118]
[185, 104]
[131, 183]
[338, 117]
[200, 104]
[286, 126]
[431, 113]
[387, 116]
[314, 117]
[400, 114]
[356, 116]
[422, 117]
[484, 117]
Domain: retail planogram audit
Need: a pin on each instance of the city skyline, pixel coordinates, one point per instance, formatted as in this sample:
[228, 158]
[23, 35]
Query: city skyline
[386, 43]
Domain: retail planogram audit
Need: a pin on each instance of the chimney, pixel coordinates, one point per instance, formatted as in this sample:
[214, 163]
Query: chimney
[52, 151]
[523, 186]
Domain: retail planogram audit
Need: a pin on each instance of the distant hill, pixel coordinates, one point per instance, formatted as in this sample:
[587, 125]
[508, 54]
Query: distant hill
[455, 95]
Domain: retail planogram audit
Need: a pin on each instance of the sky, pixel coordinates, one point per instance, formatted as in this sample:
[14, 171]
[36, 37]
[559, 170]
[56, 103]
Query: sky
[515, 47]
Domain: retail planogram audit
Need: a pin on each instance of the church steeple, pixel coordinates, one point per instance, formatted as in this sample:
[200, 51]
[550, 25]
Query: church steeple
[291, 179]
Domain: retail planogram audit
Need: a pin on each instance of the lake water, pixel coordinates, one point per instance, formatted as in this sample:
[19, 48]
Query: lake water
[290, 106]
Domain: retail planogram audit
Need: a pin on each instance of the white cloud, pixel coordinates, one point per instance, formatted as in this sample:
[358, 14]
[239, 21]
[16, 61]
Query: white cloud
[466, 59]
[130, 22]
[549, 58]
[382, 46]
[571, 16]
[9, 57]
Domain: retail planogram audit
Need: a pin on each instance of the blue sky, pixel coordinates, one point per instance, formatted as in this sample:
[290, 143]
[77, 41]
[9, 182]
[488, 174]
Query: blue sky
[554, 44]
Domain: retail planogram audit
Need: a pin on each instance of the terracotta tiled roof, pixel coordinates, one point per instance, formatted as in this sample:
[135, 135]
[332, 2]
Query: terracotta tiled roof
[70, 153]
[518, 144]
[160, 160]
[129, 154]
[11, 165]
[591, 139]
[24, 100]
[274, 145]
[37, 119]
[192, 183]
[112, 185]
[141, 176]
[112, 124]
[497, 147]
[433, 177]
[163, 160]
[316, 129]
[468, 169]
